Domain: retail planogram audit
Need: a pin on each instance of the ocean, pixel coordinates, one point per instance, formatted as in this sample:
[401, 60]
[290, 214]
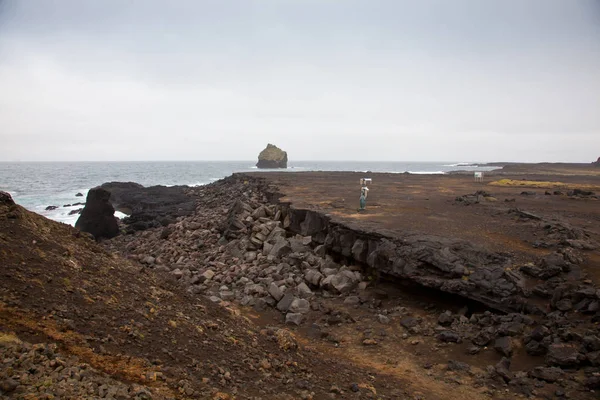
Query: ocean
[37, 185]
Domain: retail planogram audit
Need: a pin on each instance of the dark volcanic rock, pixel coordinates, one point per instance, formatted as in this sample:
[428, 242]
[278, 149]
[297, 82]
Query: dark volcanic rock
[563, 355]
[503, 345]
[449, 336]
[6, 199]
[50, 208]
[272, 157]
[597, 162]
[548, 374]
[97, 216]
[79, 195]
[149, 207]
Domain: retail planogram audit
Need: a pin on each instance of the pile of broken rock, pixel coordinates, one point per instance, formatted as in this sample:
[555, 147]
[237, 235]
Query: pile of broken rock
[247, 258]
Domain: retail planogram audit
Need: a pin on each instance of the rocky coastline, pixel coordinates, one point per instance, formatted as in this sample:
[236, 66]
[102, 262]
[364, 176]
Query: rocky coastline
[243, 245]
[456, 313]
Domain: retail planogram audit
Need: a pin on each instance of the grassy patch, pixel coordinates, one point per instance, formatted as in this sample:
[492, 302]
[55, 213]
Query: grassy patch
[542, 184]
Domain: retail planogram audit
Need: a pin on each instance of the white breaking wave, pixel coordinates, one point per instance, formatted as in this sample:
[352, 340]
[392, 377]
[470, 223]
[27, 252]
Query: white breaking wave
[461, 164]
[426, 172]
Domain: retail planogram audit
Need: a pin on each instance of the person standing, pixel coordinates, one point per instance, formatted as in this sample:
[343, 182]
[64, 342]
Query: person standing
[364, 192]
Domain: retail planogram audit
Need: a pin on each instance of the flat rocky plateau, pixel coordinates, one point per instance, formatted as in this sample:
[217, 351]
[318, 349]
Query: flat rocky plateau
[276, 287]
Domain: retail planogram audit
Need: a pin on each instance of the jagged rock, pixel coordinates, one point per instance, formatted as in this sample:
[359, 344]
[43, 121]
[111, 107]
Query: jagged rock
[303, 290]
[285, 302]
[503, 369]
[563, 355]
[149, 207]
[344, 281]
[449, 336]
[280, 248]
[548, 374]
[454, 365]
[503, 345]
[535, 348]
[272, 157]
[352, 300]
[313, 277]
[6, 199]
[445, 318]
[275, 291]
[409, 322]
[301, 306]
[227, 295]
[207, 275]
[293, 318]
[484, 337]
[97, 216]
[594, 358]
[591, 343]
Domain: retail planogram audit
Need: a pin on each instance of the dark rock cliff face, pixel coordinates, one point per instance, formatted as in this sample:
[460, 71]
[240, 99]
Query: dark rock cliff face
[272, 157]
[97, 217]
[597, 163]
[149, 207]
[456, 266]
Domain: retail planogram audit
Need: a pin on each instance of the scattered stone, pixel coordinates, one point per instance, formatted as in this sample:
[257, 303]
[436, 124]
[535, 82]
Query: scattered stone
[449, 336]
[293, 318]
[548, 374]
[275, 291]
[454, 365]
[445, 318]
[369, 342]
[301, 306]
[285, 302]
[352, 300]
[409, 322]
[563, 355]
[503, 345]
[383, 319]
[304, 291]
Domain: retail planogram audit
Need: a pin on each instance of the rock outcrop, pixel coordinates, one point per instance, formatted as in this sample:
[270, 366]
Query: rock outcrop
[6, 199]
[97, 217]
[597, 163]
[149, 207]
[272, 157]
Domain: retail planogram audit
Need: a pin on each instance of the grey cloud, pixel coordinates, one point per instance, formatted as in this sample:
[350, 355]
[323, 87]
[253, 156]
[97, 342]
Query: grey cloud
[156, 79]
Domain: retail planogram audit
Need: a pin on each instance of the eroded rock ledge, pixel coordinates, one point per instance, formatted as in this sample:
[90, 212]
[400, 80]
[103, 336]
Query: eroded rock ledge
[457, 266]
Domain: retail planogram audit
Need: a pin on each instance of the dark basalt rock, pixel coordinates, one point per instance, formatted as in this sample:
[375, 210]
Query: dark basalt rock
[149, 207]
[6, 199]
[97, 217]
[272, 157]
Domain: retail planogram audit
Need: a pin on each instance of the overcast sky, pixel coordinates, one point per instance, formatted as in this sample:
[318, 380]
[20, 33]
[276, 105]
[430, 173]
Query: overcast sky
[476, 80]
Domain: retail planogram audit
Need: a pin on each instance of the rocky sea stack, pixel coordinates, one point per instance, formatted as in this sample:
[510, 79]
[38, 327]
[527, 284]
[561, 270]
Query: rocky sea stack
[272, 157]
[97, 217]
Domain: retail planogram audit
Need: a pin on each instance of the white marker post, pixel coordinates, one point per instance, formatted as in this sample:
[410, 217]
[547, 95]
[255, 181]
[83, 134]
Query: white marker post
[478, 176]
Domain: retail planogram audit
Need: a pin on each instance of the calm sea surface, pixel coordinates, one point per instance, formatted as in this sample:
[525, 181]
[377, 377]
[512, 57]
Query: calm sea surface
[36, 185]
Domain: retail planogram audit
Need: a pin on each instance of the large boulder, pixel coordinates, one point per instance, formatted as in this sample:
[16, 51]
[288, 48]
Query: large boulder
[272, 157]
[98, 216]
